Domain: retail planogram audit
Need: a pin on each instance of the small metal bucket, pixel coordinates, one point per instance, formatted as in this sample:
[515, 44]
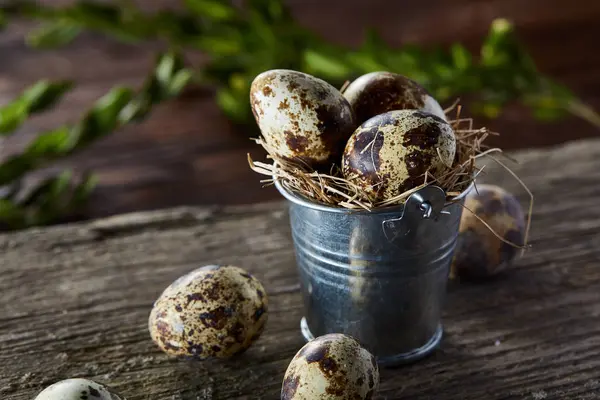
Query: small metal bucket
[379, 276]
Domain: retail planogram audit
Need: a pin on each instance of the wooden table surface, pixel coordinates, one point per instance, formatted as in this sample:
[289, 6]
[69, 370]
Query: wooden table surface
[75, 299]
[188, 153]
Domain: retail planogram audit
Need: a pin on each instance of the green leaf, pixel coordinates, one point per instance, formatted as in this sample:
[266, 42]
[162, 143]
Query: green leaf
[271, 10]
[51, 200]
[548, 114]
[35, 99]
[501, 26]
[14, 167]
[61, 185]
[48, 190]
[48, 202]
[102, 118]
[166, 66]
[240, 84]
[442, 93]
[560, 92]
[487, 109]
[213, 9]
[221, 46]
[498, 46]
[547, 107]
[180, 81]
[233, 106]
[47, 146]
[44, 94]
[374, 43]
[322, 64]
[83, 191]
[363, 62]
[460, 56]
[444, 71]
[168, 80]
[2, 20]
[52, 35]
[50, 144]
[12, 116]
[263, 31]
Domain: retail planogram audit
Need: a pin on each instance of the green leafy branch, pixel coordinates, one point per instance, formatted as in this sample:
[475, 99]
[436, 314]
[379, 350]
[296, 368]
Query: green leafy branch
[124, 22]
[57, 196]
[241, 43]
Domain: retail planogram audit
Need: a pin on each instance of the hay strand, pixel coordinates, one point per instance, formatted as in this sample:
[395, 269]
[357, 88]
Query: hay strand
[493, 231]
[531, 198]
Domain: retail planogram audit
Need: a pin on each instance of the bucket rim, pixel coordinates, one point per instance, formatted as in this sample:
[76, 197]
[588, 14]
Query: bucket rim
[305, 202]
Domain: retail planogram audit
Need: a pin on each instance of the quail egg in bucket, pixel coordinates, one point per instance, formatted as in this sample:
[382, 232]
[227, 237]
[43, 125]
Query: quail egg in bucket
[212, 312]
[379, 92]
[391, 152]
[78, 389]
[301, 118]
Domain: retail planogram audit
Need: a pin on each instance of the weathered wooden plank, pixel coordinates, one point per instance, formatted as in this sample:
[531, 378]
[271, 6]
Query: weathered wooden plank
[74, 301]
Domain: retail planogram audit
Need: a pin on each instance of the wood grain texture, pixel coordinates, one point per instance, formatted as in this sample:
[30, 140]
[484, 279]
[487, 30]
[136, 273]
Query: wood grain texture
[74, 301]
[188, 153]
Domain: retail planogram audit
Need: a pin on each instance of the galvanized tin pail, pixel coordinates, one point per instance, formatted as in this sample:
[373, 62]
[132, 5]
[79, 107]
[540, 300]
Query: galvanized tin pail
[379, 276]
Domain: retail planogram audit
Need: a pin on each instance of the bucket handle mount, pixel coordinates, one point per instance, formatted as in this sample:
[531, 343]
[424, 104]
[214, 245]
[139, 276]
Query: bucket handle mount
[426, 203]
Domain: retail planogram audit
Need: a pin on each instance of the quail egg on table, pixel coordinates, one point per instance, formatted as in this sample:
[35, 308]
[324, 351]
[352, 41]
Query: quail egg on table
[78, 389]
[379, 92]
[302, 118]
[212, 312]
[479, 253]
[330, 367]
[391, 152]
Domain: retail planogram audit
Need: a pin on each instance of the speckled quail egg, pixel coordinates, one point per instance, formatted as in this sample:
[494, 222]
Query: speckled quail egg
[78, 389]
[211, 312]
[330, 367]
[390, 153]
[379, 92]
[479, 254]
[301, 117]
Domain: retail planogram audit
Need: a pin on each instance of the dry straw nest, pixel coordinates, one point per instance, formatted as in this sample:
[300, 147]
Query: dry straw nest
[332, 189]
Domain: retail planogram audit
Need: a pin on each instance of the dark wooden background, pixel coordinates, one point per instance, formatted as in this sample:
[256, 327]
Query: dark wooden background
[188, 153]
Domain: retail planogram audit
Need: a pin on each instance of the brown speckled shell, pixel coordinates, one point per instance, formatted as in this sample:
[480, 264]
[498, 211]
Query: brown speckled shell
[479, 254]
[333, 367]
[302, 118]
[390, 153]
[77, 389]
[213, 311]
[379, 92]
